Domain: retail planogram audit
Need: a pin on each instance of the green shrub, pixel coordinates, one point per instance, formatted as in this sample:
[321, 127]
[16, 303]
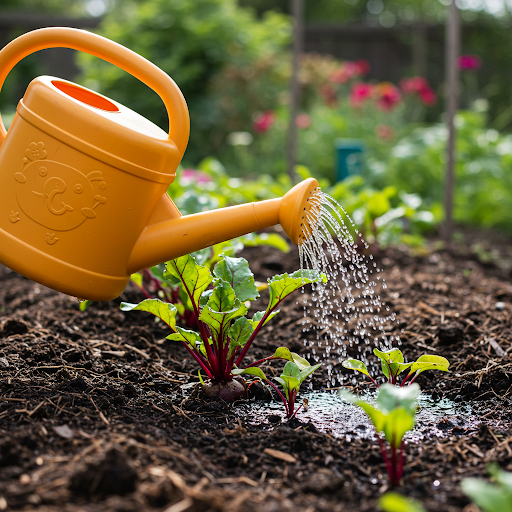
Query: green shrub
[193, 42]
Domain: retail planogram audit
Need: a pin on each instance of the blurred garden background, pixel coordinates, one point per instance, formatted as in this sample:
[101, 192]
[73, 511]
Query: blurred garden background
[372, 100]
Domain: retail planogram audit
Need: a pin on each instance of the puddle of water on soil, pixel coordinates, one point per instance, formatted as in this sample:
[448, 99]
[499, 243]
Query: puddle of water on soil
[332, 415]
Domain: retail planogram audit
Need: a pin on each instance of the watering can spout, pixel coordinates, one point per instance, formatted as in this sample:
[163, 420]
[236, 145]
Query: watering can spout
[169, 235]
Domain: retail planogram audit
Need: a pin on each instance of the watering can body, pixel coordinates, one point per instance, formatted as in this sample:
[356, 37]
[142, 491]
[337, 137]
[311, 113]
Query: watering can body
[83, 179]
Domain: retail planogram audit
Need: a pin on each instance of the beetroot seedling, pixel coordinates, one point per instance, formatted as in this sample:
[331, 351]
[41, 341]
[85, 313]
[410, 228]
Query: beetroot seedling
[392, 363]
[294, 373]
[219, 302]
[392, 416]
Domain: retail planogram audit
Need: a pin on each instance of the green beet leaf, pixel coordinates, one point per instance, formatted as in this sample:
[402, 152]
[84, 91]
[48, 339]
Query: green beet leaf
[488, 497]
[137, 279]
[284, 353]
[256, 319]
[221, 308]
[392, 397]
[282, 285]
[191, 337]
[288, 384]
[394, 502]
[397, 423]
[163, 310]
[394, 412]
[84, 304]
[223, 297]
[202, 255]
[354, 364]
[253, 370]
[291, 370]
[236, 272]
[293, 376]
[239, 333]
[429, 362]
[301, 362]
[306, 372]
[157, 271]
[491, 497]
[218, 321]
[503, 478]
[389, 360]
[193, 277]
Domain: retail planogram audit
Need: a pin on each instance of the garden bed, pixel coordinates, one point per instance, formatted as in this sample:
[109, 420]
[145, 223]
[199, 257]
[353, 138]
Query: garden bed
[99, 412]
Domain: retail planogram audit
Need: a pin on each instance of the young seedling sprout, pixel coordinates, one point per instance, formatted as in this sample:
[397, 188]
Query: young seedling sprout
[392, 416]
[293, 375]
[392, 363]
[220, 303]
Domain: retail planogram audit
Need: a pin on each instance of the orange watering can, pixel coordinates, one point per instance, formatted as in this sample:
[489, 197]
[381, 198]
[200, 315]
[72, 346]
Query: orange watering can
[83, 179]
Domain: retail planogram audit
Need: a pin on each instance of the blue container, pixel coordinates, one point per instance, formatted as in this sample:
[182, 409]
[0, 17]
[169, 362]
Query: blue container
[349, 157]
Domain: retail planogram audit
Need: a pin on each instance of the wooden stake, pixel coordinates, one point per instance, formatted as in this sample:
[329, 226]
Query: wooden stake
[452, 90]
[297, 9]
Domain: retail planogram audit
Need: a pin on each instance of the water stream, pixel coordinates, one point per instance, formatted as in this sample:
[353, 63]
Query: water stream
[347, 312]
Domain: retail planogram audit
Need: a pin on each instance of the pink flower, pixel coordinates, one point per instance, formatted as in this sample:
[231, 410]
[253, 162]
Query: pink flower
[413, 85]
[363, 67]
[329, 95]
[360, 93]
[192, 175]
[428, 96]
[346, 72]
[303, 121]
[388, 96]
[419, 85]
[384, 131]
[264, 121]
[469, 62]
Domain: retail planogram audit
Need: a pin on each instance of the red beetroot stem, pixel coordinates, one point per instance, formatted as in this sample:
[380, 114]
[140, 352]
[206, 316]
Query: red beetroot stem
[393, 479]
[199, 359]
[384, 453]
[257, 363]
[374, 382]
[282, 397]
[413, 379]
[400, 469]
[405, 380]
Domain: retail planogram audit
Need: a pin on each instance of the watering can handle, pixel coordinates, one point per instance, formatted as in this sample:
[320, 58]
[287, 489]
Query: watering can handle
[133, 63]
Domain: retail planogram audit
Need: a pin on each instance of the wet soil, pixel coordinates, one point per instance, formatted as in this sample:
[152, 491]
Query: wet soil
[98, 412]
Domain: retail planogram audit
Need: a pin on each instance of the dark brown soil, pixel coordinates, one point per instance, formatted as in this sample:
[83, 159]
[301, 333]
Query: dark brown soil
[93, 416]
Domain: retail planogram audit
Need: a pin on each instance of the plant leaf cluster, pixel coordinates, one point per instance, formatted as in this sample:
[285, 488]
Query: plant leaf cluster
[392, 364]
[220, 301]
[392, 416]
[294, 373]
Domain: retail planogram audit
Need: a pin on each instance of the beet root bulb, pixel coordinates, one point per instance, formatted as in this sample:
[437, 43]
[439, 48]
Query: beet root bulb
[229, 391]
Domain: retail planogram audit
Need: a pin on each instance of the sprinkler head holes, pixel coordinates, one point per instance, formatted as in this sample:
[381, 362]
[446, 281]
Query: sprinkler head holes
[310, 215]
